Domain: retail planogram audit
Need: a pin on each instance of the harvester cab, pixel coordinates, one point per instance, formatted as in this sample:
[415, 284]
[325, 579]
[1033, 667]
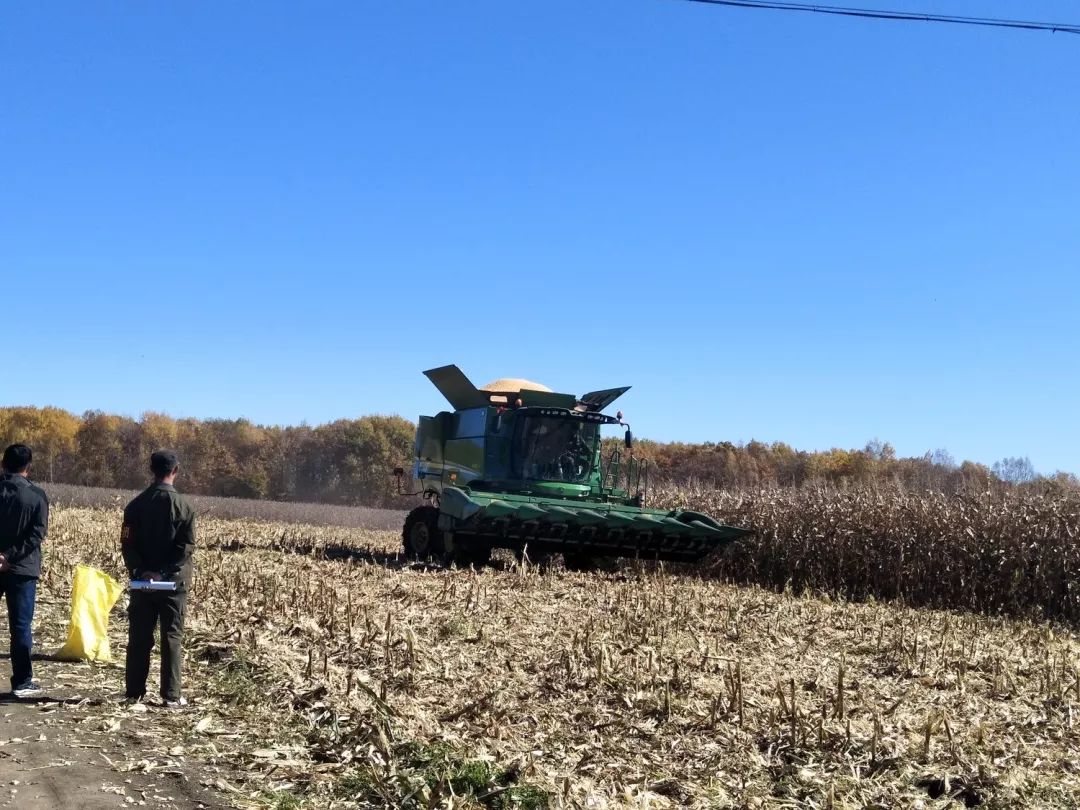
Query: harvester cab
[516, 465]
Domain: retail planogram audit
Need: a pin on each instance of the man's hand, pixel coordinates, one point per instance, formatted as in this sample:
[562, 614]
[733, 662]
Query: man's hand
[4, 564]
[153, 576]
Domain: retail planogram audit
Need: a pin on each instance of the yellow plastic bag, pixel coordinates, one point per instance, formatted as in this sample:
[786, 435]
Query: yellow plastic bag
[93, 595]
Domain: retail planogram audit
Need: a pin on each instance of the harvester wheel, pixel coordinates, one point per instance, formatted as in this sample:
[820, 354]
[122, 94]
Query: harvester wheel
[537, 559]
[421, 534]
[471, 552]
[578, 562]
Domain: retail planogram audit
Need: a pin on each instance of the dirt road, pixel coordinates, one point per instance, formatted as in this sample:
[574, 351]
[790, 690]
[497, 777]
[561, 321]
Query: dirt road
[78, 749]
[80, 746]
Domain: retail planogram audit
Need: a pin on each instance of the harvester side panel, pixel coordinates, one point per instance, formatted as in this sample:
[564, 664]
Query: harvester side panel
[464, 449]
[429, 440]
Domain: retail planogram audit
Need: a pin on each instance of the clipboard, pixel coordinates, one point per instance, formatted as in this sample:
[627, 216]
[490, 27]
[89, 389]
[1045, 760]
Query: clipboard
[148, 585]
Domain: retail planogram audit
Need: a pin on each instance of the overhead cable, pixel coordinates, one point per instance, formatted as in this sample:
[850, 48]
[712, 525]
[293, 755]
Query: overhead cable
[907, 16]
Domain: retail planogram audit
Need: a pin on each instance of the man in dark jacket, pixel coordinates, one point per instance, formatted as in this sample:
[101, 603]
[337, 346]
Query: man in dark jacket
[24, 520]
[158, 538]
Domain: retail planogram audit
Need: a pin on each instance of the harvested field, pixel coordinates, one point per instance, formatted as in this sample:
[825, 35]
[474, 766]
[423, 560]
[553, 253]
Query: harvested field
[346, 678]
[313, 514]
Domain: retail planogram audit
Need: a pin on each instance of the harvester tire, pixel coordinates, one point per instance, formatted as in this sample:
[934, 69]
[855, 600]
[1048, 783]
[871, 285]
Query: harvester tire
[579, 562]
[422, 536]
[471, 552]
[536, 559]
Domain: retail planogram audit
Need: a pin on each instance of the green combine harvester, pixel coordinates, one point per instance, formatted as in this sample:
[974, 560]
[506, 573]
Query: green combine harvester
[518, 466]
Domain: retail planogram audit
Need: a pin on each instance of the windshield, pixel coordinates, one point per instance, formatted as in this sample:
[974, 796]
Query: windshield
[552, 449]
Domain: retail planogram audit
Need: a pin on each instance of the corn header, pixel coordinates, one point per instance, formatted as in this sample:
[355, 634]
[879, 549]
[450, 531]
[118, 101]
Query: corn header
[515, 465]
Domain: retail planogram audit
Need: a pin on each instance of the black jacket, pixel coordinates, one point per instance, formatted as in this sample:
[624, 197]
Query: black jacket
[159, 535]
[24, 520]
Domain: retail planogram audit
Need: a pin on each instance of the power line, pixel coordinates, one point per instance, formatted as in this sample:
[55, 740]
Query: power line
[908, 16]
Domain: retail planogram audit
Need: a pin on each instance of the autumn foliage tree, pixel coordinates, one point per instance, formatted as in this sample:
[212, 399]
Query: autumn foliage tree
[349, 461]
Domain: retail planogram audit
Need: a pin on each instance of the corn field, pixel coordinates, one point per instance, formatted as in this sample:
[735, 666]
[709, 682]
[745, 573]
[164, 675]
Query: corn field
[1011, 552]
[326, 672]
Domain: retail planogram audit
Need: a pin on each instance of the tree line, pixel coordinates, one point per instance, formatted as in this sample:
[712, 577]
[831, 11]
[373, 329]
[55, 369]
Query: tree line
[759, 465]
[350, 461]
[347, 461]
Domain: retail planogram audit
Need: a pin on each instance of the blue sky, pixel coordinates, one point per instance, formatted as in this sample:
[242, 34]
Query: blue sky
[774, 226]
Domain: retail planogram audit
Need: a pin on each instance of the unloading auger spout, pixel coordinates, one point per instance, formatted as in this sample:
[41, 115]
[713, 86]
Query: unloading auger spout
[516, 465]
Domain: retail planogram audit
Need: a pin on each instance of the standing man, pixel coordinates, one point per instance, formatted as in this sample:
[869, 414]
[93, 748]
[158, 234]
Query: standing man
[158, 539]
[24, 520]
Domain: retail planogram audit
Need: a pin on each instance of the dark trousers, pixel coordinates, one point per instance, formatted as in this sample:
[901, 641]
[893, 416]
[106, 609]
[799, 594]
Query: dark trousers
[148, 610]
[20, 592]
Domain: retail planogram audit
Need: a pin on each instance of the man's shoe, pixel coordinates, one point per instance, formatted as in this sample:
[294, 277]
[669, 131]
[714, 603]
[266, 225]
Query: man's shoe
[176, 704]
[29, 690]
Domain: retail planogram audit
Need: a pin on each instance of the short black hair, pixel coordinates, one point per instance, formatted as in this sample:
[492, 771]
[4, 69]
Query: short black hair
[17, 457]
[163, 462]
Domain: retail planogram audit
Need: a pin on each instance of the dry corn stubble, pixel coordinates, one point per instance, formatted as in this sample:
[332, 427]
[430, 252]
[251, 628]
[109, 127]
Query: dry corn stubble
[334, 666]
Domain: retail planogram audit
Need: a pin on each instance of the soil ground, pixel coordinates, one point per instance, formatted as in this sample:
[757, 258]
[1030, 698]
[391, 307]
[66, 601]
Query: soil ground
[80, 746]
